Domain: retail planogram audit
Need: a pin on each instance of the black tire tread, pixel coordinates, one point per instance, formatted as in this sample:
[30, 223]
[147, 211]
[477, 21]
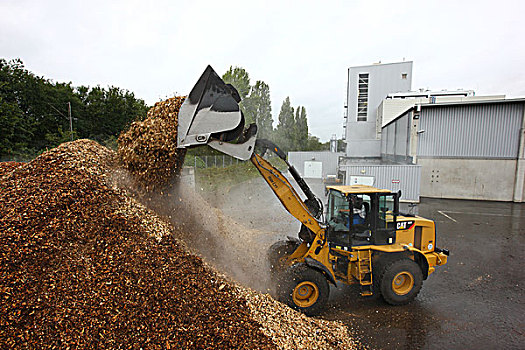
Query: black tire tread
[298, 273]
[397, 265]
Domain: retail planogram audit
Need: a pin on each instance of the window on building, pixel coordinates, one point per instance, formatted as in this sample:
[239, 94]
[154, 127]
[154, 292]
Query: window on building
[362, 97]
[404, 75]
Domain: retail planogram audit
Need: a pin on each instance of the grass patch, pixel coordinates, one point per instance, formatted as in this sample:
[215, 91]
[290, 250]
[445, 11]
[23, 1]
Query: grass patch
[219, 179]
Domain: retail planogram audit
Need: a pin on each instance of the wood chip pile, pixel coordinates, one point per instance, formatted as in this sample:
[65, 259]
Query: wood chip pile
[148, 150]
[84, 265]
[290, 329]
[7, 167]
[77, 272]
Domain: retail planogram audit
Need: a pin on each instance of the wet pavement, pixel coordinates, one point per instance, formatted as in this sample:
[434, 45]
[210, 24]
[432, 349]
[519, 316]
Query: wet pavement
[476, 301]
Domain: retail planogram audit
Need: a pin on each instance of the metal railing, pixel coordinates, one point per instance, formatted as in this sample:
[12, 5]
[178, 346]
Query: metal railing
[216, 161]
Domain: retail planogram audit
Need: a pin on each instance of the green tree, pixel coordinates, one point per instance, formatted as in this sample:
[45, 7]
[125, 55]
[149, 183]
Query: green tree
[314, 144]
[14, 136]
[20, 110]
[301, 129]
[258, 107]
[34, 112]
[240, 79]
[286, 127]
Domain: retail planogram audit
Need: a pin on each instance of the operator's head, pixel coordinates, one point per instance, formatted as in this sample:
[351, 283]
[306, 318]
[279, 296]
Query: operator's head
[356, 201]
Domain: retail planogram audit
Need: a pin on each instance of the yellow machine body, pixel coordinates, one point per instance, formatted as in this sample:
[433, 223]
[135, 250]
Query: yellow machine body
[360, 257]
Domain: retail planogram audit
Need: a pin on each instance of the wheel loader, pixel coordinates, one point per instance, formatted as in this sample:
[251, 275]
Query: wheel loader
[361, 238]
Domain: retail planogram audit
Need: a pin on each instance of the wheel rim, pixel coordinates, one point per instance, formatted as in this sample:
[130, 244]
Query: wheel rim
[305, 294]
[403, 283]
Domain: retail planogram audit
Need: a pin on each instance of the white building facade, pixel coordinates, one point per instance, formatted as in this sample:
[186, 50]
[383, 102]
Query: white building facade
[367, 86]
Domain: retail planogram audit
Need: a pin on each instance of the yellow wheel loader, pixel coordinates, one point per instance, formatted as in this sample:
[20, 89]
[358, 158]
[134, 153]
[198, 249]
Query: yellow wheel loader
[360, 239]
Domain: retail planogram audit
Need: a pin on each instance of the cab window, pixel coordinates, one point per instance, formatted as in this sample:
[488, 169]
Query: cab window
[386, 210]
[360, 210]
[338, 207]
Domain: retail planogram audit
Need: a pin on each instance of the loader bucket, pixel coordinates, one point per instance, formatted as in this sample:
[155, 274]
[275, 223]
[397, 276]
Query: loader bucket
[210, 115]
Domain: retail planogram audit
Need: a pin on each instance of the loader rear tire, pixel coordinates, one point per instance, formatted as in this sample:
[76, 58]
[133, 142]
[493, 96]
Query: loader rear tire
[304, 289]
[401, 281]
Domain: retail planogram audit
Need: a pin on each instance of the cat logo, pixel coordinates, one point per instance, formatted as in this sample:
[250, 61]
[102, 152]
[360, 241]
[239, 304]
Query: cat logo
[405, 225]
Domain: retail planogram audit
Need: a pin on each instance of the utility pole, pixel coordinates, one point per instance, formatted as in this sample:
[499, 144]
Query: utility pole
[70, 120]
[69, 115]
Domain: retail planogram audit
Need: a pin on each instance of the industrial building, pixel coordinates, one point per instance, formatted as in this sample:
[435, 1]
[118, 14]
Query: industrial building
[465, 150]
[441, 144]
[367, 87]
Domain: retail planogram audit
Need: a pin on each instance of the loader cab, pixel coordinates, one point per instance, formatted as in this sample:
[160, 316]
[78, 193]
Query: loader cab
[361, 215]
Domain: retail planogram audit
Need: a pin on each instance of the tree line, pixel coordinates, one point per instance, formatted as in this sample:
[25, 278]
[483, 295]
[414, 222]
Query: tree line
[291, 133]
[37, 113]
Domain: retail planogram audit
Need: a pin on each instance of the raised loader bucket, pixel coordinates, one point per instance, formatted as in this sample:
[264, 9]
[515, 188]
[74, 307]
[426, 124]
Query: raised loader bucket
[210, 115]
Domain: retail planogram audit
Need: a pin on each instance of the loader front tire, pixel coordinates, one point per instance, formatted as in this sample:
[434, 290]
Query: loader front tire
[401, 281]
[276, 254]
[304, 289]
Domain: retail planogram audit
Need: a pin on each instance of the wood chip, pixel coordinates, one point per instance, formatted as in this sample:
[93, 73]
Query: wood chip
[83, 264]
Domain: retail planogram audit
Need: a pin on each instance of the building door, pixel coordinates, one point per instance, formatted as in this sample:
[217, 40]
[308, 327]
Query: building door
[313, 170]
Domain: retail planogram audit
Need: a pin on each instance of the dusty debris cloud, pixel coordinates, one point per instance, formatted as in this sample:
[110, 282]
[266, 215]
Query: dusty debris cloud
[85, 261]
[149, 154]
[225, 243]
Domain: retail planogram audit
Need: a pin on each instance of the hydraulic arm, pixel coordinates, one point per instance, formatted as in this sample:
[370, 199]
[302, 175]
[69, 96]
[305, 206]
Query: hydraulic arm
[287, 194]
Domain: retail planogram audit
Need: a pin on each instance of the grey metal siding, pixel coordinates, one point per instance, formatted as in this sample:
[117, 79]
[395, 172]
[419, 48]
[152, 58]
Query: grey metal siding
[396, 140]
[384, 137]
[386, 176]
[330, 161]
[471, 131]
[401, 132]
[391, 140]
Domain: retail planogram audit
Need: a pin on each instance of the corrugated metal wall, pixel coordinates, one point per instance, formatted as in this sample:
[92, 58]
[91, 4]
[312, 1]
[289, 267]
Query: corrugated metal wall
[396, 140]
[330, 161]
[406, 178]
[471, 131]
[402, 134]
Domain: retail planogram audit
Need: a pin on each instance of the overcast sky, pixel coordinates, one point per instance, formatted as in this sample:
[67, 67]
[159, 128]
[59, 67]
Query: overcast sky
[302, 49]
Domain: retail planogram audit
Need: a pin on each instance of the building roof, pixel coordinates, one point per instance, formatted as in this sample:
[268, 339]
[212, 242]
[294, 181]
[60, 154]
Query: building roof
[381, 64]
[456, 103]
[357, 189]
[474, 102]
[428, 93]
